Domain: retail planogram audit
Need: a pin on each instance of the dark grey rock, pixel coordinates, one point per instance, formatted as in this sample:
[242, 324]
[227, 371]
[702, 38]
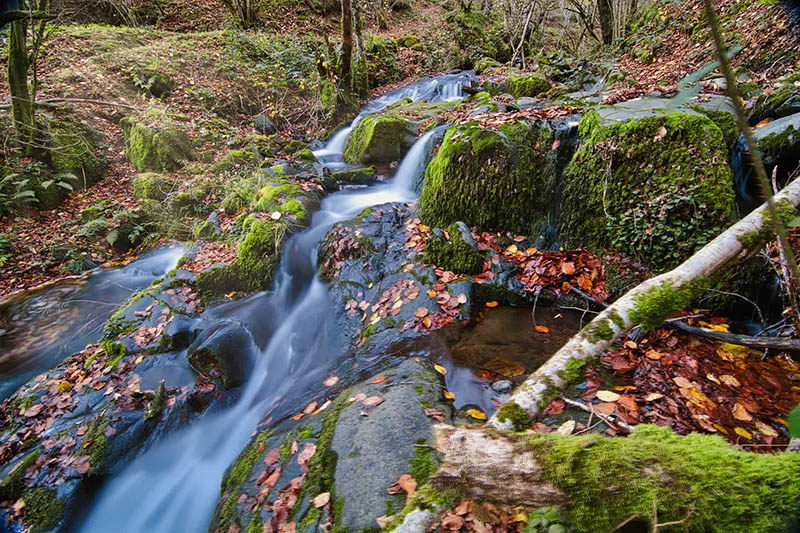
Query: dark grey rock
[263, 125]
[224, 355]
[502, 386]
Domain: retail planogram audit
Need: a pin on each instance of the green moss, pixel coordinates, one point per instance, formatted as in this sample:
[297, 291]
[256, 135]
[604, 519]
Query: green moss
[772, 146]
[455, 255]
[233, 479]
[617, 319]
[657, 205]
[237, 162]
[664, 301]
[156, 148]
[574, 370]
[43, 510]
[484, 64]
[94, 442]
[379, 139]
[511, 412]
[725, 121]
[305, 432]
[151, 186]
[754, 239]
[767, 105]
[528, 85]
[14, 484]
[699, 478]
[115, 351]
[256, 524]
[502, 179]
[601, 331]
[422, 466]
[305, 155]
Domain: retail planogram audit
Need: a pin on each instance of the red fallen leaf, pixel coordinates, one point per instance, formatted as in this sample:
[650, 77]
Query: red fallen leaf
[628, 403]
[30, 412]
[272, 456]
[405, 483]
[452, 522]
[373, 401]
[294, 447]
[605, 408]
[555, 407]
[82, 465]
[434, 413]
[273, 478]
[379, 379]
[309, 449]
[310, 408]
[421, 312]
[568, 268]
[464, 507]
[539, 427]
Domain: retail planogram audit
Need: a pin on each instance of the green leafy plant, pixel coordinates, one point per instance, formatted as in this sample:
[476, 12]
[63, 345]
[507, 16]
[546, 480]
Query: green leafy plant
[15, 191]
[5, 248]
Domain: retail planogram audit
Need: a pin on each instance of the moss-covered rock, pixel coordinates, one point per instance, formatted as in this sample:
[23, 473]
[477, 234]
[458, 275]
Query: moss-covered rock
[73, 150]
[236, 161]
[360, 176]
[458, 254]
[380, 139]
[783, 101]
[653, 185]
[699, 480]
[778, 139]
[528, 85]
[151, 186]
[484, 64]
[496, 179]
[305, 155]
[43, 509]
[155, 148]
[155, 83]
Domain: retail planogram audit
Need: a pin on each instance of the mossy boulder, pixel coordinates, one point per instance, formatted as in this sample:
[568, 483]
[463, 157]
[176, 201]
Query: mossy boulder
[305, 155]
[459, 253]
[783, 101]
[528, 85]
[484, 64]
[74, 150]
[651, 184]
[155, 148]
[155, 83]
[358, 176]
[151, 186]
[380, 139]
[237, 161]
[779, 139]
[496, 179]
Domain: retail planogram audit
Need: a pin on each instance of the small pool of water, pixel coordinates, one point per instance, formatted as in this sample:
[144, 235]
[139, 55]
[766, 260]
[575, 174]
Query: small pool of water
[504, 345]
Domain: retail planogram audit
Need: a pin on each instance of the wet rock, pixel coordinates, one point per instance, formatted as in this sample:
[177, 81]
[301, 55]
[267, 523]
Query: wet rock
[458, 254]
[263, 125]
[528, 85]
[503, 386]
[779, 138]
[225, 356]
[380, 139]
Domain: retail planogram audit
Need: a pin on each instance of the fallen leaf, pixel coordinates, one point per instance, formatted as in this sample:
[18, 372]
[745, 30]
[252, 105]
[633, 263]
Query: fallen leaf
[743, 433]
[434, 413]
[373, 401]
[379, 379]
[310, 408]
[566, 428]
[653, 396]
[607, 396]
[452, 522]
[766, 430]
[491, 304]
[682, 382]
[476, 414]
[729, 380]
[440, 369]
[331, 381]
[740, 413]
[449, 395]
[421, 312]
[321, 500]
[542, 329]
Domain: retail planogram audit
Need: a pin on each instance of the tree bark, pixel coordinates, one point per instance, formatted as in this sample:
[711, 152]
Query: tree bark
[21, 105]
[648, 304]
[605, 14]
[345, 71]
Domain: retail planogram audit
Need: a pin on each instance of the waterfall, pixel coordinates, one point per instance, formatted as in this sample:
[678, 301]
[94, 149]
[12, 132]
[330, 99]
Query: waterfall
[174, 486]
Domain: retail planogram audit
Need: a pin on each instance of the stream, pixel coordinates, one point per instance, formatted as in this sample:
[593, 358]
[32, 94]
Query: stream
[40, 328]
[174, 486]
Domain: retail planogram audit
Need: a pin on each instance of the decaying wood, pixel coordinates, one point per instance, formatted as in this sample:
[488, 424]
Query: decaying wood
[725, 250]
[774, 343]
[487, 465]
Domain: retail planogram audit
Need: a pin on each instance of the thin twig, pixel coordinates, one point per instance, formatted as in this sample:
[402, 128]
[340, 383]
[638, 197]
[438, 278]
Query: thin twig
[608, 420]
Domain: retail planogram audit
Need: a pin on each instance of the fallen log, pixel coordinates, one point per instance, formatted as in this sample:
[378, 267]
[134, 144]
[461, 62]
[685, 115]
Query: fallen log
[650, 478]
[646, 305]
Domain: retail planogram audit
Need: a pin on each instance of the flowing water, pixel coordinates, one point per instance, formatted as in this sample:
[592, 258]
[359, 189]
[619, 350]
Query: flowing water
[174, 486]
[39, 329]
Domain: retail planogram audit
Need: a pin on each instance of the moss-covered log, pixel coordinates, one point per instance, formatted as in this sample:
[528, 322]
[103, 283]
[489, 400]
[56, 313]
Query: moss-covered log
[650, 303]
[600, 482]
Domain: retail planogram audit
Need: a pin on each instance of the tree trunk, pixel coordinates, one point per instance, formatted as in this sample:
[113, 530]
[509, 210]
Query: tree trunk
[649, 480]
[21, 105]
[646, 305]
[606, 15]
[345, 70]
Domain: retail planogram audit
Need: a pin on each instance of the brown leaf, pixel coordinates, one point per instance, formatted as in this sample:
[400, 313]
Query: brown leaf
[321, 500]
[272, 456]
[30, 412]
[434, 413]
[452, 522]
[331, 381]
[421, 312]
[373, 401]
[740, 413]
[310, 408]
[379, 379]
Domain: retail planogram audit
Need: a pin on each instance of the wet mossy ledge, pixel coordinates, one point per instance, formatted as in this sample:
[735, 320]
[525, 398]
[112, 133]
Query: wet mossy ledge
[379, 139]
[656, 187]
[154, 142]
[497, 179]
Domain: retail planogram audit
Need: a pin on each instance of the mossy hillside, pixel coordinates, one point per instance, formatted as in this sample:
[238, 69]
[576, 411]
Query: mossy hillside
[380, 139]
[655, 188]
[497, 180]
[155, 148]
[528, 85]
[699, 478]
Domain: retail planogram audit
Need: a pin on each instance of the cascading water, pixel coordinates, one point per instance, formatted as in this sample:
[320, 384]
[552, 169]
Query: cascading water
[174, 486]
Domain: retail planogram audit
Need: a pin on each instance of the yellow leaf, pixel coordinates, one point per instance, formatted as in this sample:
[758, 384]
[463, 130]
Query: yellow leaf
[431, 294]
[476, 414]
[449, 395]
[715, 327]
[369, 286]
[139, 359]
[720, 429]
[712, 377]
[607, 396]
[727, 379]
[764, 429]
[440, 369]
[512, 249]
[521, 517]
[740, 413]
[743, 433]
